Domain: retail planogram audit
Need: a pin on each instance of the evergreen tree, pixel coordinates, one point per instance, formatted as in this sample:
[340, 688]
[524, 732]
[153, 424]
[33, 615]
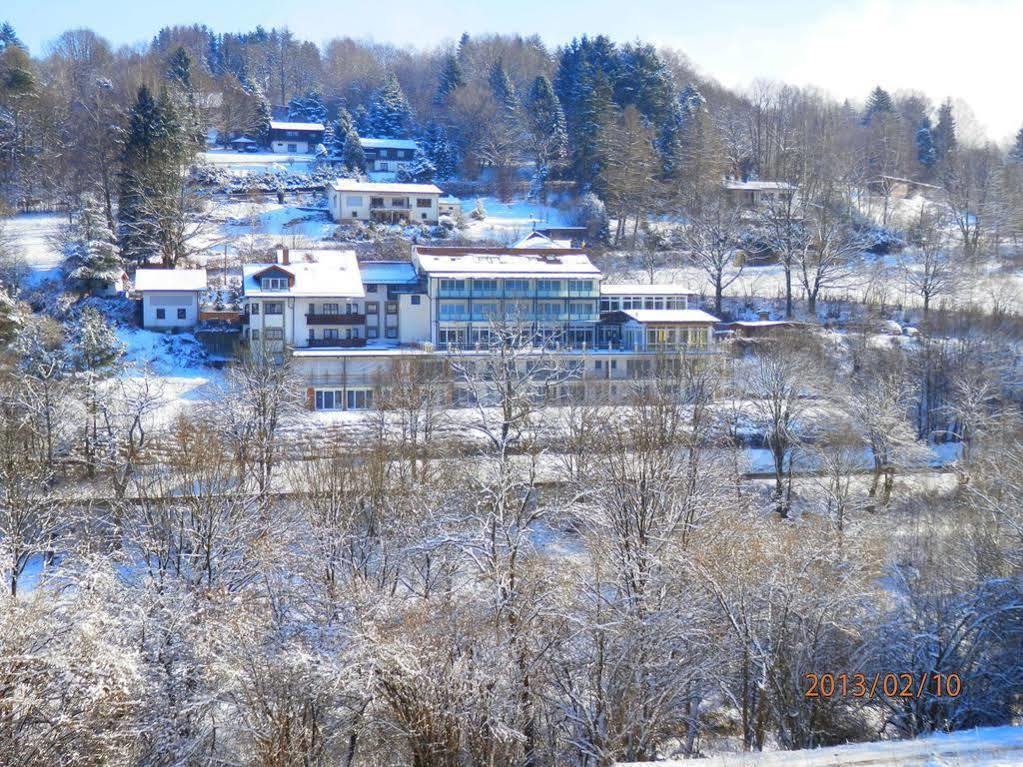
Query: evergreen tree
[441, 152]
[11, 315]
[308, 109]
[1016, 152]
[502, 87]
[179, 68]
[422, 170]
[96, 347]
[879, 102]
[451, 78]
[90, 247]
[352, 157]
[945, 131]
[264, 115]
[645, 82]
[339, 130]
[389, 113]
[925, 151]
[8, 39]
[545, 125]
[144, 150]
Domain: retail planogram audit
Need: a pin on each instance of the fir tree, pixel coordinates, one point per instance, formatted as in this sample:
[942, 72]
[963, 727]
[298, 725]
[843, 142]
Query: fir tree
[263, 117]
[945, 131]
[90, 247]
[1016, 152]
[96, 347]
[144, 150]
[451, 78]
[879, 102]
[925, 151]
[545, 125]
[436, 145]
[179, 68]
[308, 108]
[352, 157]
[389, 114]
[422, 170]
[502, 87]
[645, 82]
[8, 38]
[339, 130]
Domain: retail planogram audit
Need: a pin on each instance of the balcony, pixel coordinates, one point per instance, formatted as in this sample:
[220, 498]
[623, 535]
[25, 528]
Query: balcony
[335, 319]
[334, 343]
[402, 205]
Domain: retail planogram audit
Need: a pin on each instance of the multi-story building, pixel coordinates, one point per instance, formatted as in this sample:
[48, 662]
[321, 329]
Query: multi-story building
[347, 325]
[351, 200]
[388, 155]
[295, 138]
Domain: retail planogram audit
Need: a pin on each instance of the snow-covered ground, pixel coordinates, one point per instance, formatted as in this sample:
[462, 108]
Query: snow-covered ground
[257, 162]
[32, 235]
[983, 747]
[508, 222]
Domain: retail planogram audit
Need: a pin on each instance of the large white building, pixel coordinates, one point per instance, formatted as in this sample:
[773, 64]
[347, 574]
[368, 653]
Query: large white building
[171, 298]
[350, 200]
[345, 324]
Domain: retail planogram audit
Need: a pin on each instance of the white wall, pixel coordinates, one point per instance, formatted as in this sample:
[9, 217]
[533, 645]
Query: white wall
[281, 147]
[170, 302]
[415, 320]
[342, 207]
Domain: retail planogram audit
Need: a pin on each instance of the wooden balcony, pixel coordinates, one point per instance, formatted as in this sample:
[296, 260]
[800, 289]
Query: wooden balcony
[335, 319]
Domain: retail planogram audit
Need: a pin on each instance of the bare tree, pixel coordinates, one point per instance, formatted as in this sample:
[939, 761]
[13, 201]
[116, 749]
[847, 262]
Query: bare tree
[712, 239]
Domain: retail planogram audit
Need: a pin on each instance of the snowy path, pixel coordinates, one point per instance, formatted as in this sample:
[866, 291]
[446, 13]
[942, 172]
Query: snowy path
[983, 747]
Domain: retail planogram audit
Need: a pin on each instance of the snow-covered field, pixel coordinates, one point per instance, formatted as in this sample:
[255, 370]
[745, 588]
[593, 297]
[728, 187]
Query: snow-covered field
[32, 235]
[983, 747]
[508, 222]
[257, 162]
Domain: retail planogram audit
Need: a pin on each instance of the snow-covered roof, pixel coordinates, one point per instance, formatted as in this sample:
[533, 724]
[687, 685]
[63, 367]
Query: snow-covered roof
[388, 143]
[284, 125]
[639, 289]
[326, 273]
[760, 186]
[504, 262]
[372, 187]
[537, 240]
[170, 279]
[670, 315]
[763, 323]
[388, 272]
[242, 140]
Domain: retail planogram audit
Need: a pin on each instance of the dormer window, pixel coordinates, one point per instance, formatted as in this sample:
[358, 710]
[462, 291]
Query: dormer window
[274, 283]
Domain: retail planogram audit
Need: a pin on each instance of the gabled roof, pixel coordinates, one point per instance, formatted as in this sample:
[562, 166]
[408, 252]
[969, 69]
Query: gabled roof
[153, 280]
[370, 187]
[504, 262]
[670, 316]
[537, 240]
[388, 143]
[316, 273]
[284, 125]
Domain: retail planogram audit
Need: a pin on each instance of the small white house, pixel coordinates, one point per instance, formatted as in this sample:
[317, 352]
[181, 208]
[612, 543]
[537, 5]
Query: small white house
[294, 137]
[352, 200]
[388, 155]
[170, 297]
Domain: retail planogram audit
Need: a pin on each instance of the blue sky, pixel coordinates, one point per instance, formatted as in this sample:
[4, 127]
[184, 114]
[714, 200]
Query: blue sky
[967, 50]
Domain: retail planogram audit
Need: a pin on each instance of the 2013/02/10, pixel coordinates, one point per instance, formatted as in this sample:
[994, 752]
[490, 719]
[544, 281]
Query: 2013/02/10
[888, 684]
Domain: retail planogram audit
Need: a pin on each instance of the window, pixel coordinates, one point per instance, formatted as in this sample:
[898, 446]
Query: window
[355, 214]
[424, 216]
[331, 309]
[581, 286]
[383, 153]
[329, 399]
[292, 147]
[354, 202]
[415, 300]
[598, 365]
[548, 286]
[372, 307]
[274, 283]
[484, 286]
[516, 287]
[371, 332]
[254, 334]
[253, 308]
[423, 202]
[452, 286]
[376, 202]
[273, 334]
[360, 399]
[452, 311]
[161, 314]
[330, 333]
[392, 332]
[485, 311]
[182, 314]
[371, 288]
[392, 307]
[273, 307]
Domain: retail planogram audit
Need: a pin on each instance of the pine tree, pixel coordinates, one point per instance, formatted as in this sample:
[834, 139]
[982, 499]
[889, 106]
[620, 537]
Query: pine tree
[545, 125]
[90, 247]
[179, 68]
[645, 82]
[8, 38]
[144, 150]
[339, 130]
[308, 108]
[451, 78]
[945, 131]
[390, 115]
[11, 315]
[879, 102]
[925, 151]
[96, 346]
[436, 145]
[264, 115]
[422, 170]
[502, 87]
[352, 156]
[1016, 152]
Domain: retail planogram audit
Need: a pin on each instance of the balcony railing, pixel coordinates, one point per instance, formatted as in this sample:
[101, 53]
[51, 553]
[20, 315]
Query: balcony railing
[335, 343]
[350, 318]
[389, 205]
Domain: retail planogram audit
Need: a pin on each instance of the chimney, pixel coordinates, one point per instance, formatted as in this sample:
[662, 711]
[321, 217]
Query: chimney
[285, 257]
